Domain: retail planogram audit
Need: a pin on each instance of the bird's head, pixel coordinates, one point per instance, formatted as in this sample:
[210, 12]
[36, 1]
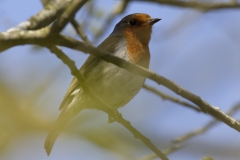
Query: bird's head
[136, 26]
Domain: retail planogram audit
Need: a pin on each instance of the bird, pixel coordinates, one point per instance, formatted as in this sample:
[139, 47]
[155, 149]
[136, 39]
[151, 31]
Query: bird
[114, 85]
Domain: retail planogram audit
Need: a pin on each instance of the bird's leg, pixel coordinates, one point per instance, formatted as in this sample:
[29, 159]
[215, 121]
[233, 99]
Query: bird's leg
[113, 115]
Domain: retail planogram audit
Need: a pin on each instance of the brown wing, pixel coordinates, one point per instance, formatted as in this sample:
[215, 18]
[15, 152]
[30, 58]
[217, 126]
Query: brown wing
[73, 85]
[91, 62]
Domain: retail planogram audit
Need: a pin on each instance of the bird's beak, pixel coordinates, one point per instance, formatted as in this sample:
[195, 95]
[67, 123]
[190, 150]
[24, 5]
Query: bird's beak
[153, 21]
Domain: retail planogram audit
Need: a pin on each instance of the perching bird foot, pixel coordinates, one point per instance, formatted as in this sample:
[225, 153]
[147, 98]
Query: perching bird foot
[112, 118]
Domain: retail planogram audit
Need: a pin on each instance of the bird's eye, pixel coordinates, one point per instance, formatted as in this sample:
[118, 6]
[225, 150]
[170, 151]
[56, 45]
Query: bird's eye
[132, 22]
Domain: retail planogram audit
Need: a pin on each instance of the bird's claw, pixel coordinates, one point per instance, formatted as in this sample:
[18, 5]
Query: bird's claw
[112, 118]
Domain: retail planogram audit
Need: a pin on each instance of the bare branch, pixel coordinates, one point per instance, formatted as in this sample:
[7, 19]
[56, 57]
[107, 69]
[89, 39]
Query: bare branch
[118, 9]
[166, 152]
[67, 15]
[46, 16]
[170, 98]
[80, 31]
[195, 4]
[22, 37]
[204, 129]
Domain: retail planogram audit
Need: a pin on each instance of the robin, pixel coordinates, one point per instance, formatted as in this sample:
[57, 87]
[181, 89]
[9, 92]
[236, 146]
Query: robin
[115, 86]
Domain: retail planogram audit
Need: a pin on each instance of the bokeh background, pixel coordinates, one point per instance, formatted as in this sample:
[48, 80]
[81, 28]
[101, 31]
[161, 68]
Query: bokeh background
[198, 50]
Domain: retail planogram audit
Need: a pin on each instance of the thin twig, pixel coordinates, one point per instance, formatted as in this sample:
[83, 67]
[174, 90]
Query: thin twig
[170, 98]
[67, 15]
[80, 31]
[204, 129]
[166, 152]
[196, 5]
[118, 9]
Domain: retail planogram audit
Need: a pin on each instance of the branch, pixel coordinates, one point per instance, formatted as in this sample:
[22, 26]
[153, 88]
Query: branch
[14, 38]
[19, 35]
[67, 15]
[204, 129]
[166, 152]
[118, 9]
[102, 105]
[196, 5]
[46, 16]
[80, 31]
[170, 98]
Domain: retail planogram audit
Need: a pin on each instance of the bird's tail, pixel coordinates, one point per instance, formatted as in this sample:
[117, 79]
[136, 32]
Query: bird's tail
[55, 131]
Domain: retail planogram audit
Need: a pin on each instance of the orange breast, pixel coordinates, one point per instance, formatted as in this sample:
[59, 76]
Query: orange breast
[138, 51]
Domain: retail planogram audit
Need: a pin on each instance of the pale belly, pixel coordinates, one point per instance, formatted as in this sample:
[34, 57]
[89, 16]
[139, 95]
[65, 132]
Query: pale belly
[114, 85]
